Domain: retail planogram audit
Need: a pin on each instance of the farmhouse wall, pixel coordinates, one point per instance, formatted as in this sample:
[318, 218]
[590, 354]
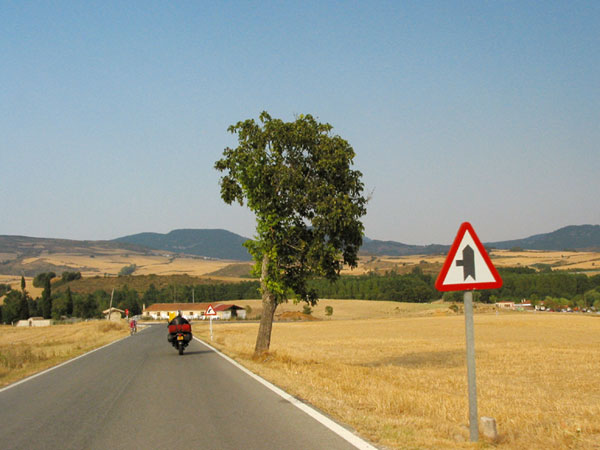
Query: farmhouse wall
[34, 323]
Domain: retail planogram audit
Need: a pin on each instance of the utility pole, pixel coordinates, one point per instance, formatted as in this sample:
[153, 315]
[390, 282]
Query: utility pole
[111, 299]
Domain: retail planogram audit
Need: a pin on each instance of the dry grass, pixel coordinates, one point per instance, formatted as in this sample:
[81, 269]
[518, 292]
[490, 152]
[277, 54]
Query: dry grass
[112, 262]
[501, 258]
[356, 309]
[25, 351]
[558, 260]
[15, 283]
[401, 382]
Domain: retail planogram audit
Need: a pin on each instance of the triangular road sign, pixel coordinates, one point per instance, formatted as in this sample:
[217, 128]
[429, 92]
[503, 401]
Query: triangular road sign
[467, 265]
[210, 311]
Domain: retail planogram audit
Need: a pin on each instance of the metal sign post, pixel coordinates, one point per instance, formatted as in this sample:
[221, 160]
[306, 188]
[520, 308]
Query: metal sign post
[472, 379]
[110, 306]
[210, 312]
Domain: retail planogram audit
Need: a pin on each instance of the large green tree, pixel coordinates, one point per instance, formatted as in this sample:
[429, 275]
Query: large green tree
[40, 278]
[69, 302]
[297, 179]
[10, 308]
[85, 306]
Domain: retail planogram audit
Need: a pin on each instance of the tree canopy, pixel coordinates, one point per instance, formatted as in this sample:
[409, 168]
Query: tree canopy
[297, 179]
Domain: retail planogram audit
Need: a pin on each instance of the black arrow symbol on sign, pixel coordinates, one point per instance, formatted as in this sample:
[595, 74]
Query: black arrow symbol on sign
[468, 262]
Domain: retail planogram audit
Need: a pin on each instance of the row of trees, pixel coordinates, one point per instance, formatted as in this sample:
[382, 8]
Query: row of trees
[527, 283]
[41, 279]
[18, 305]
[568, 289]
[415, 287]
[555, 288]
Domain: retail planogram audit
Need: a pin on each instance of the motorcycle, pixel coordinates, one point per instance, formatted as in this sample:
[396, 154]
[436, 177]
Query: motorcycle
[180, 336]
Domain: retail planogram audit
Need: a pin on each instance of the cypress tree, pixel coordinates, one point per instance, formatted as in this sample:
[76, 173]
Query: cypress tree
[69, 302]
[23, 311]
[47, 300]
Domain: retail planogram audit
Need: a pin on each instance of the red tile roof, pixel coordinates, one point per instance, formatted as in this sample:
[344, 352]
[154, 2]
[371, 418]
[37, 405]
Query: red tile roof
[158, 307]
[177, 306]
[223, 307]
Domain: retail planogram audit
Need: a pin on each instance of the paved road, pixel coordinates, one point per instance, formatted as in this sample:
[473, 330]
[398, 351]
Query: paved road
[139, 393]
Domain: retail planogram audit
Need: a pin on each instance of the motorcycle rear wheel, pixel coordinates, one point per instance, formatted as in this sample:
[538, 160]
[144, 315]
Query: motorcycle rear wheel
[181, 348]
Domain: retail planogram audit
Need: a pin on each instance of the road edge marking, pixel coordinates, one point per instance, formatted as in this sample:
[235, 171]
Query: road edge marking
[64, 363]
[341, 431]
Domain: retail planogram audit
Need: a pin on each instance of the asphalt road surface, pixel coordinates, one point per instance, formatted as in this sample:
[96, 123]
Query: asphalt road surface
[139, 393]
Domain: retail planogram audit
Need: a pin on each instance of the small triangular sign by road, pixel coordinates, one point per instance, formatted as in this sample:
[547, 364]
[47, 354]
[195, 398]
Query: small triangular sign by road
[210, 311]
[467, 265]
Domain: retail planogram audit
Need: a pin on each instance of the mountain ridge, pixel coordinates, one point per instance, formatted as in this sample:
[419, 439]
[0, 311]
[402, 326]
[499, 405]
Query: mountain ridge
[223, 244]
[576, 237]
[570, 237]
[212, 243]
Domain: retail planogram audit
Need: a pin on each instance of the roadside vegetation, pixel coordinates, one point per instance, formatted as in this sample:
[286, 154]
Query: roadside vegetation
[25, 351]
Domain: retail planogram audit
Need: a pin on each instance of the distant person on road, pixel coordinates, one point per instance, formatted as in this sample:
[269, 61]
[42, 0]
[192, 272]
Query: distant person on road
[133, 326]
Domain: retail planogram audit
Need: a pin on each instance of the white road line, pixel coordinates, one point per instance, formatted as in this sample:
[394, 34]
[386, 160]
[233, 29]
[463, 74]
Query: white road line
[326, 421]
[57, 366]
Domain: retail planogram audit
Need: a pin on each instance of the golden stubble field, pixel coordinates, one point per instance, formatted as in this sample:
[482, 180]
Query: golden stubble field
[401, 381]
[109, 263]
[25, 351]
[356, 309]
[15, 283]
[564, 260]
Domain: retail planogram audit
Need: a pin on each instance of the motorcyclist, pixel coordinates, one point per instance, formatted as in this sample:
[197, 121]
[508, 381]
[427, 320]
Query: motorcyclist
[179, 319]
[133, 326]
[180, 332]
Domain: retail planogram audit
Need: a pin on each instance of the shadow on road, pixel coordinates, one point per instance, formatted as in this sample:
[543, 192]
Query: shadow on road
[195, 352]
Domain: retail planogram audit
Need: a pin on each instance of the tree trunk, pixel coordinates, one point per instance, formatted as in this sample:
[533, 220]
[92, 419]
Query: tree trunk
[269, 304]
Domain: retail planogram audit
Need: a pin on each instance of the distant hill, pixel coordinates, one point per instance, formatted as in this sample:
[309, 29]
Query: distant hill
[573, 237]
[221, 244]
[15, 251]
[392, 248]
[33, 246]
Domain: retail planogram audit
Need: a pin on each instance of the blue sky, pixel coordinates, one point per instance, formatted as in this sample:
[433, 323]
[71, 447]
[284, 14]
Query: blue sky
[113, 113]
